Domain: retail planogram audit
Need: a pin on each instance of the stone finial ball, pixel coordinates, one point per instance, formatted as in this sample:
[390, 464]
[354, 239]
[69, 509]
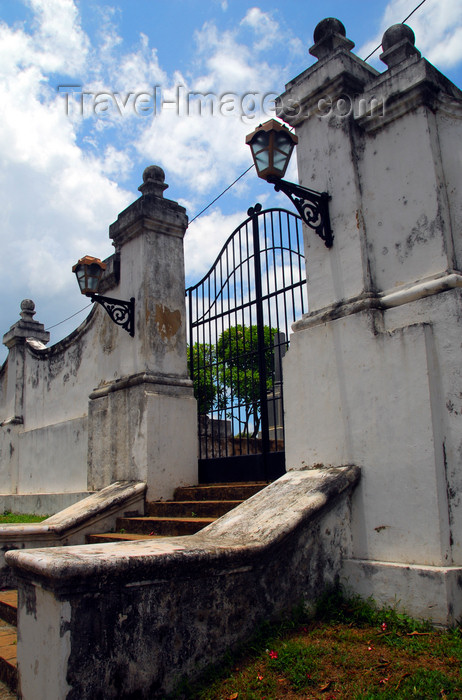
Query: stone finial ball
[395, 34]
[327, 26]
[153, 172]
[27, 305]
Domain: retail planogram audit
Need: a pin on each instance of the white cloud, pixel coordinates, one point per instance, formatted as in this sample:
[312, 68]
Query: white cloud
[107, 40]
[448, 52]
[116, 164]
[270, 33]
[205, 238]
[201, 151]
[59, 42]
[437, 26]
[264, 26]
[139, 70]
[231, 65]
[57, 201]
[119, 87]
[201, 138]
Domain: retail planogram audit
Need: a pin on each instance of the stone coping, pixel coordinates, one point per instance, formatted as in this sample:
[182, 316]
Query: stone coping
[382, 302]
[76, 516]
[261, 522]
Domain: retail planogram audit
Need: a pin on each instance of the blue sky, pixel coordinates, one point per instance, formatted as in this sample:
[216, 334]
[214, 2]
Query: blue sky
[71, 163]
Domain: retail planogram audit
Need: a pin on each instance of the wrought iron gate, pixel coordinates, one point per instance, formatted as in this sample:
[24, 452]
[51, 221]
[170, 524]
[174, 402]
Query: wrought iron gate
[240, 315]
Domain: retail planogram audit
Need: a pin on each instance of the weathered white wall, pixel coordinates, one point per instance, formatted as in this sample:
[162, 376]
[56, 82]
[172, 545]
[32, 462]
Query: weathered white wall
[48, 630]
[48, 443]
[448, 120]
[47, 451]
[374, 393]
[410, 236]
[373, 374]
[51, 458]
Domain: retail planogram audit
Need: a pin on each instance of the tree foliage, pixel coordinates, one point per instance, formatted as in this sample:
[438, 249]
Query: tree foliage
[226, 375]
[201, 362]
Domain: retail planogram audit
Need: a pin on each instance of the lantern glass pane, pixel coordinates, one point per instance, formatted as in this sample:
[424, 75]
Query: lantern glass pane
[261, 160]
[283, 142]
[93, 277]
[92, 284]
[279, 161]
[80, 274]
[260, 140]
[260, 151]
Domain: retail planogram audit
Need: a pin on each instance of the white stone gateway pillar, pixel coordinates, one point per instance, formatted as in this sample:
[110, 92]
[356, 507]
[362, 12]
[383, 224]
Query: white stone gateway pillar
[23, 331]
[143, 425]
[373, 375]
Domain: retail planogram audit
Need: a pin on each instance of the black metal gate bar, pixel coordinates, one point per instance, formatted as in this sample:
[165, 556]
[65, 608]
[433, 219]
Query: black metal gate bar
[240, 315]
[265, 448]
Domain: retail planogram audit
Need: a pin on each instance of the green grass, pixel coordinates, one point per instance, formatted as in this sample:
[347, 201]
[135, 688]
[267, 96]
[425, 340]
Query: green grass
[346, 649]
[8, 517]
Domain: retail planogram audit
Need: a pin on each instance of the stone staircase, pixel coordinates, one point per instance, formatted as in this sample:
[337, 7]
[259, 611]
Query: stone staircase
[191, 509]
[8, 638]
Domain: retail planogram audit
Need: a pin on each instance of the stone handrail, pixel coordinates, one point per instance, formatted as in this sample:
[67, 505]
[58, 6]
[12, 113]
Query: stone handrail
[95, 513]
[149, 612]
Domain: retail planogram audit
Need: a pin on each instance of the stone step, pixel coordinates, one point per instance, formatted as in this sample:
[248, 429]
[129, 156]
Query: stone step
[9, 606]
[117, 537]
[218, 492]
[191, 509]
[8, 638]
[165, 527]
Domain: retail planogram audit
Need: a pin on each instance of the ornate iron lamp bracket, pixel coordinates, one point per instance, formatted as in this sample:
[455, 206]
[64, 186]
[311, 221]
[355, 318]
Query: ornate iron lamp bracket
[312, 206]
[120, 311]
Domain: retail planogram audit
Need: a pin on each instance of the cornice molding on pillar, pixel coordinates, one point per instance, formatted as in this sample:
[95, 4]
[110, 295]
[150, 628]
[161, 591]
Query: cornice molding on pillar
[151, 212]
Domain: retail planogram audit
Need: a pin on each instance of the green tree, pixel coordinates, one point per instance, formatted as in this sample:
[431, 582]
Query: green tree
[236, 354]
[202, 364]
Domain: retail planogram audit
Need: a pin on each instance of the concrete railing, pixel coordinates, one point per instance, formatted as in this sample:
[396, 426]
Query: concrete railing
[129, 620]
[96, 513]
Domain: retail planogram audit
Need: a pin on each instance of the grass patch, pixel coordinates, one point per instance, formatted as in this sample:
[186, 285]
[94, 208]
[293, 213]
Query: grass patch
[348, 649]
[8, 517]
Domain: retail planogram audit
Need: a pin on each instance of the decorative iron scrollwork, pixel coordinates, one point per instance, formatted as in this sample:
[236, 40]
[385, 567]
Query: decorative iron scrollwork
[312, 206]
[120, 311]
